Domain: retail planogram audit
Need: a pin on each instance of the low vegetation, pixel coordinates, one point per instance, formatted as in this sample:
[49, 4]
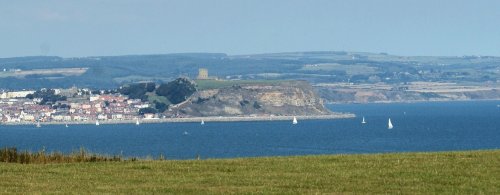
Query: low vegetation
[48, 96]
[471, 172]
[215, 84]
[160, 96]
[12, 155]
[177, 90]
[137, 90]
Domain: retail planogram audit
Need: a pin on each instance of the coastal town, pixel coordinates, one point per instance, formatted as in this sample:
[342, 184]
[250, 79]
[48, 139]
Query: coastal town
[131, 102]
[81, 105]
[181, 100]
[84, 106]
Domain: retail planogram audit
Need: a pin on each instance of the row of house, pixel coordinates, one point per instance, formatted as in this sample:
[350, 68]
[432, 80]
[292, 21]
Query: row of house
[95, 107]
[23, 110]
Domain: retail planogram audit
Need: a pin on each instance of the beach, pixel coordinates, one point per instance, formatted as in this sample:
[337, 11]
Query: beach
[195, 119]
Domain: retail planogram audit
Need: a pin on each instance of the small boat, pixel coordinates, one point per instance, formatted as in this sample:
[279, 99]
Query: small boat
[137, 122]
[96, 122]
[363, 122]
[185, 133]
[294, 121]
[202, 122]
[389, 124]
[38, 124]
[66, 125]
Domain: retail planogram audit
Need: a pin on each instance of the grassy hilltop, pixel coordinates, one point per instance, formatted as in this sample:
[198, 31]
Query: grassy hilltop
[105, 72]
[470, 172]
[338, 76]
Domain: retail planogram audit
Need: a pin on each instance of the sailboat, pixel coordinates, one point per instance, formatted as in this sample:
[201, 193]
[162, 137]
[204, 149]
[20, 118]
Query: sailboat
[294, 121]
[363, 122]
[202, 122]
[389, 124]
[137, 122]
[96, 122]
[38, 124]
[66, 125]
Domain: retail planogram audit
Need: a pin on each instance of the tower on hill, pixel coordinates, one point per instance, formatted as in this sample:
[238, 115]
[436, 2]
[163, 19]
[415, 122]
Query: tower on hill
[202, 73]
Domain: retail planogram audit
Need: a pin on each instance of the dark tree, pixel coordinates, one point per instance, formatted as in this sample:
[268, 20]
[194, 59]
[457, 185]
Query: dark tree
[161, 107]
[48, 96]
[143, 111]
[176, 91]
[137, 90]
[256, 105]
[150, 87]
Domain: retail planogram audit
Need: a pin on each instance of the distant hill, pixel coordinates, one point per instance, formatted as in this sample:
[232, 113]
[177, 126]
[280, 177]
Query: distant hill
[105, 72]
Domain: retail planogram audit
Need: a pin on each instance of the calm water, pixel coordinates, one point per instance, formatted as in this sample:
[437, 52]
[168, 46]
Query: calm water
[417, 127]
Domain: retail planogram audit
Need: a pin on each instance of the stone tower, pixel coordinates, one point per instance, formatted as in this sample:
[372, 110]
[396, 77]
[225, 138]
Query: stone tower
[202, 73]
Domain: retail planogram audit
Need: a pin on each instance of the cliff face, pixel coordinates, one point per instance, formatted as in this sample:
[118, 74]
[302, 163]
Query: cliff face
[283, 98]
[416, 91]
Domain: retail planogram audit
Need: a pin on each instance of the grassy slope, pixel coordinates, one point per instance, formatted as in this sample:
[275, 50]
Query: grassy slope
[152, 96]
[215, 84]
[449, 172]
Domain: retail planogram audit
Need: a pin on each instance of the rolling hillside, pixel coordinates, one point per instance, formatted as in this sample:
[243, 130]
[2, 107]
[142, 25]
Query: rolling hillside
[319, 68]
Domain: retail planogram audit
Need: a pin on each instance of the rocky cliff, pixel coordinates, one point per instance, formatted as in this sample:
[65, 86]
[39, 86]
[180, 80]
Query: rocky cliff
[280, 98]
[410, 92]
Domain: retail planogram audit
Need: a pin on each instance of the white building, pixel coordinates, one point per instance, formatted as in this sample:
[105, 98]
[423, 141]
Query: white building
[102, 117]
[94, 98]
[15, 94]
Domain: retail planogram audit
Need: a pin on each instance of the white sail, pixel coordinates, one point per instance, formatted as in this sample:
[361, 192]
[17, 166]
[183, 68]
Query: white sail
[363, 122]
[97, 122]
[389, 124]
[38, 124]
[294, 121]
[137, 122]
[202, 122]
[66, 125]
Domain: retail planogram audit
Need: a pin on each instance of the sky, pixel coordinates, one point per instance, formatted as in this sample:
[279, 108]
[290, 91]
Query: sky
[74, 28]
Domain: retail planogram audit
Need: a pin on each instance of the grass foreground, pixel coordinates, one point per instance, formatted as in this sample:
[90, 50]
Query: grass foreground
[468, 172]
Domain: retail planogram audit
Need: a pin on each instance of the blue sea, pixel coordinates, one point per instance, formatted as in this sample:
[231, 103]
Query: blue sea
[434, 126]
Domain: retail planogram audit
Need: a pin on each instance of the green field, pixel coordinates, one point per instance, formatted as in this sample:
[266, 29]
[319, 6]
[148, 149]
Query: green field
[152, 97]
[215, 84]
[357, 69]
[472, 172]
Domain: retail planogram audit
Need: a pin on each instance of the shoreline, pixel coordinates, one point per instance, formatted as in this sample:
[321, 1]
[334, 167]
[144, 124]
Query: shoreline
[196, 119]
[412, 101]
